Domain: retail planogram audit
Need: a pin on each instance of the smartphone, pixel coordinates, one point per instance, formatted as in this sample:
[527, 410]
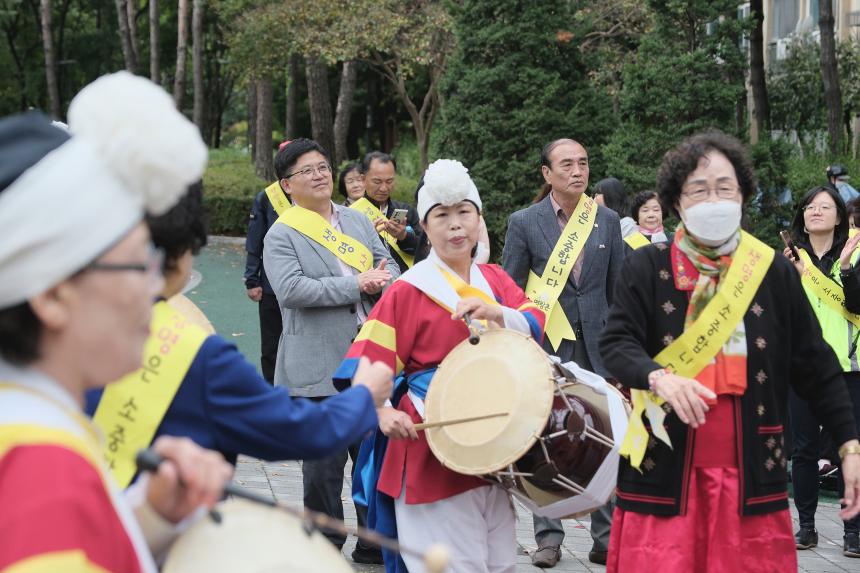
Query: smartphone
[786, 238]
[399, 216]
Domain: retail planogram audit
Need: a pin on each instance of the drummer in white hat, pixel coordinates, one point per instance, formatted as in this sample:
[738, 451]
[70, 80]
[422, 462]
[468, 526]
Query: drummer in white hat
[418, 321]
[77, 277]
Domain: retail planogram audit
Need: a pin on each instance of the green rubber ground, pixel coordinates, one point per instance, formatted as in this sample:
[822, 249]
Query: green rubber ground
[221, 296]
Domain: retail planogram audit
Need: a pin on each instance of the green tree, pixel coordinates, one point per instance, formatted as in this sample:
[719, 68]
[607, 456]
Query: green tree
[796, 91]
[515, 82]
[687, 75]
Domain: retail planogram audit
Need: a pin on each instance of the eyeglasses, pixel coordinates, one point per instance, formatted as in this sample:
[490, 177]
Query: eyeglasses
[152, 266]
[818, 208]
[699, 194]
[323, 169]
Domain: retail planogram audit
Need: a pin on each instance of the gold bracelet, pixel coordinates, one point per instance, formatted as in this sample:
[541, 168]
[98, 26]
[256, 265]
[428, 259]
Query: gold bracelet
[848, 449]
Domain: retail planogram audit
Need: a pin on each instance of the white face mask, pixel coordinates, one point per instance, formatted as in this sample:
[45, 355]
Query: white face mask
[712, 223]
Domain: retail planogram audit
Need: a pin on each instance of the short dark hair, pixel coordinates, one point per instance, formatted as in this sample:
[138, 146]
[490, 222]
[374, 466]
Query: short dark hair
[853, 208]
[287, 157]
[679, 162]
[798, 225]
[341, 184]
[20, 333]
[379, 156]
[614, 194]
[547, 149]
[640, 199]
[183, 228]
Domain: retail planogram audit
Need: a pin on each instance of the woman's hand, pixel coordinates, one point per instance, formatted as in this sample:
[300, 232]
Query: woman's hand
[479, 310]
[850, 468]
[798, 264]
[189, 477]
[395, 424]
[684, 395]
[847, 251]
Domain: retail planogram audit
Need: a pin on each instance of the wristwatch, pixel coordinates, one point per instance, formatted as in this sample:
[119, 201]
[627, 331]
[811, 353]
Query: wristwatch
[848, 449]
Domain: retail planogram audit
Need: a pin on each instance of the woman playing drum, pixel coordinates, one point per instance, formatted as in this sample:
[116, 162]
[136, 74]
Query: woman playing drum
[718, 327]
[412, 328]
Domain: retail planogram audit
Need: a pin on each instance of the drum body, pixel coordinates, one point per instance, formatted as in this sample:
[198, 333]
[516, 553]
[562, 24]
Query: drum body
[556, 449]
[254, 539]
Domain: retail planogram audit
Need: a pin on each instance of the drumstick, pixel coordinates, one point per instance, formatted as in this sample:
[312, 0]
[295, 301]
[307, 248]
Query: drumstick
[426, 425]
[435, 558]
[474, 336]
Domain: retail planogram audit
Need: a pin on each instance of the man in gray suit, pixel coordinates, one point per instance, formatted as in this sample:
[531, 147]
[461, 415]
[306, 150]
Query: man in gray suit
[532, 235]
[323, 300]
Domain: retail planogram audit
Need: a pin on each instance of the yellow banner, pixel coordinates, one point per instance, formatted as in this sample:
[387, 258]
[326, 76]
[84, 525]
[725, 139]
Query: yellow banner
[373, 213]
[132, 408]
[826, 289]
[699, 344]
[344, 247]
[545, 290]
[278, 198]
[636, 240]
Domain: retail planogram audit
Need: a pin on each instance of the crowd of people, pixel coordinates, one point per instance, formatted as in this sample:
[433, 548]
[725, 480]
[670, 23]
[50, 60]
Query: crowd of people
[736, 359]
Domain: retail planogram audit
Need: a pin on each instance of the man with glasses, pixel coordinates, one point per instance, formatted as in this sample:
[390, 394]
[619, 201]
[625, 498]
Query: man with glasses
[327, 266]
[401, 237]
[567, 250]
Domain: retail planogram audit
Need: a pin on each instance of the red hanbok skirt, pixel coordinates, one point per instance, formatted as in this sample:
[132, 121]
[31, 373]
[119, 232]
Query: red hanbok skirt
[713, 537]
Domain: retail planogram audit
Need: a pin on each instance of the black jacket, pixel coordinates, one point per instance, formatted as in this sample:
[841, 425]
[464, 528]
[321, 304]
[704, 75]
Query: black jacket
[263, 216]
[785, 348]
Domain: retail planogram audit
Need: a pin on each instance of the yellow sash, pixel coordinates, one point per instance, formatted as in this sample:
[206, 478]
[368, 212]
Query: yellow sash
[701, 341]
[373, 213]
[636, 240]
[545, 290]
[278, 198]
[132, 408]
[826, 289]
[341, 245]
[852, 232]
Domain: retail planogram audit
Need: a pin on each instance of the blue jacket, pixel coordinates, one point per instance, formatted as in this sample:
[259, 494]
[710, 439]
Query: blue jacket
[263, 216]
[223, 404]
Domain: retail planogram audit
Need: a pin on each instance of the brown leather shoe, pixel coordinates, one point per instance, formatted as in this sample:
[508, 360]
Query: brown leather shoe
[546, 556]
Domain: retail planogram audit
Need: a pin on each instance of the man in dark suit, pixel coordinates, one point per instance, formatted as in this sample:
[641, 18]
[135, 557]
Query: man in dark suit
[585, 298]
[379, 170]
[263, 216]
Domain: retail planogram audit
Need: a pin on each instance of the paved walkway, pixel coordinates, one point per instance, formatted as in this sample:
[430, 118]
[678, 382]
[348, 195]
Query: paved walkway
[283, 481]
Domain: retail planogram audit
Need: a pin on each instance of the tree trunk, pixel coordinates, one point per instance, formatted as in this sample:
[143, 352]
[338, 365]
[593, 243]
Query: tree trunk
[761, 105]
[290, 128]
[830, 75]
[154, 71]
[181, 46]
[343, 110]
[197, 61]
[252, 117]
[263, 162]
[124, 37]
[131, 14]
[319, 103]
[46, 9]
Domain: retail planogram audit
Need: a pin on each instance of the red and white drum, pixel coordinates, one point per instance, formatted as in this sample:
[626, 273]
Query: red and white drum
[555, 450]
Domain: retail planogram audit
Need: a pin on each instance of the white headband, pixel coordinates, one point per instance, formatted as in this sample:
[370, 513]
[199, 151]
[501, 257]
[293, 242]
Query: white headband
[131, 151]
[446, 182]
